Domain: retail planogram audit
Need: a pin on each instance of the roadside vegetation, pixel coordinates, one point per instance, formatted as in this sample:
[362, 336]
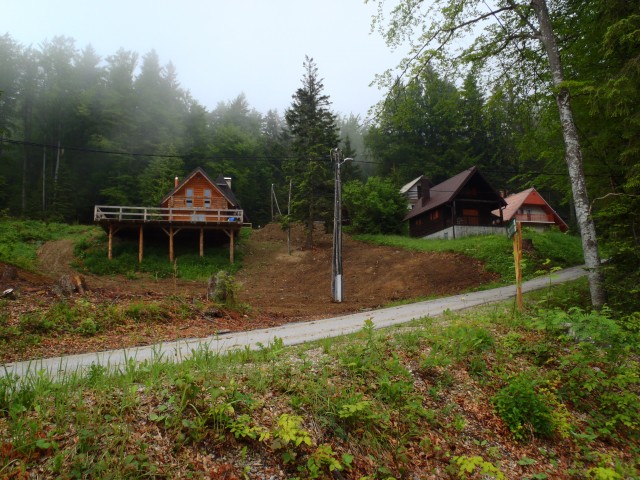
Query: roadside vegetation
[486, 393]
[551, 250]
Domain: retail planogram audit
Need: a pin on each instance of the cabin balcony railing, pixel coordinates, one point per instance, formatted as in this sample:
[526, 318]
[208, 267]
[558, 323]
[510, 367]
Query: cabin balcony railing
[534, 217]
[166, 215]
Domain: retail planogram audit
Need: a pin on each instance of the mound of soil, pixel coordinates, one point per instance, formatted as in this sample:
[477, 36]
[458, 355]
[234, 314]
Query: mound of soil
[278, 287]
[298, 286]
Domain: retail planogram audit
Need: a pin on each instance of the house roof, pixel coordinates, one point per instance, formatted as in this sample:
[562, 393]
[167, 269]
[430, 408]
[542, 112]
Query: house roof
[410, 185]
[220, 184]
[530, 196]
[446, 191]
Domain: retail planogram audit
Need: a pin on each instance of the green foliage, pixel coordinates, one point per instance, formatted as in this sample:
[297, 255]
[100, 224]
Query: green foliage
[395, 397]
[375, 206]
[92, 258]
[496, 252]
[226, 288]
[21, 239]
[466, 466]
[523, 410]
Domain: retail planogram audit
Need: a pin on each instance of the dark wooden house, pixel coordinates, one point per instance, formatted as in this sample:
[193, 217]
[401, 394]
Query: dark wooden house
[458, 207]
[196, 203]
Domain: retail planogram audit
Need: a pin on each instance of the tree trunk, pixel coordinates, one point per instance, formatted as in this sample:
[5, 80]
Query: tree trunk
[573, 157]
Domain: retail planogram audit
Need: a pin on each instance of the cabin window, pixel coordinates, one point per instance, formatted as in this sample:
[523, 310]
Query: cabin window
[189, 199]
[435, 215]
[207, 198]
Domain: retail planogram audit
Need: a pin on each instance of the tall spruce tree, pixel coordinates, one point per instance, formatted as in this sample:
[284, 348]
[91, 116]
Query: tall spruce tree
[314, 133]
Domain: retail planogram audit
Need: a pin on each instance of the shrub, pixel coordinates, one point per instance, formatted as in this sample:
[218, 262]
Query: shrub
[523, 410]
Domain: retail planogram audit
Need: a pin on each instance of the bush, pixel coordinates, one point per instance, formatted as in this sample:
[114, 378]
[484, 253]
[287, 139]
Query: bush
[375, 207]
[523, 410]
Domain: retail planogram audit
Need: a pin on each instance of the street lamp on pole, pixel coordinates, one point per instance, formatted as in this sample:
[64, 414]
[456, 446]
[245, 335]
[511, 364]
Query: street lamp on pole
[336, 279]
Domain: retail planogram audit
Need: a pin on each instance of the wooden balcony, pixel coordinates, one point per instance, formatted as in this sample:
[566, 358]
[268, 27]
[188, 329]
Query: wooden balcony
[169, 220]
[534, 218]
[176, 215]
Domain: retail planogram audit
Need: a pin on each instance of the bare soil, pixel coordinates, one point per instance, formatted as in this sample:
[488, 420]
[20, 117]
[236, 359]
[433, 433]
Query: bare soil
[277, 288]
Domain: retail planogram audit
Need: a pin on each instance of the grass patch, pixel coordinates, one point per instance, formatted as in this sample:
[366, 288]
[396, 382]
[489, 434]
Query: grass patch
[551, 249]
[21, 239]
[480, 393]
[91, 257]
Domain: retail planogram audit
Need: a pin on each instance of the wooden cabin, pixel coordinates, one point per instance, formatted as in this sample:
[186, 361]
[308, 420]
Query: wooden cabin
[412, 191]
[458, 207]
[195, 203]
[531, 210]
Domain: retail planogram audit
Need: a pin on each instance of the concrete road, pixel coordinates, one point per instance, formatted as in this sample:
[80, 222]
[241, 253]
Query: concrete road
[291, 334]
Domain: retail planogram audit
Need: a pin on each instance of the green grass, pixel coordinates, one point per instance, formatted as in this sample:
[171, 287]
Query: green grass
[92, 257]
[477, 393]
[20, 239]
[551, 249]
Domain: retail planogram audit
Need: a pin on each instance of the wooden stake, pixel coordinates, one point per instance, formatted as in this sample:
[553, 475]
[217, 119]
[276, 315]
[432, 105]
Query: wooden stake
[517, 256]
[141, 244]
[201, 242]
[231, 259]
[171, 243]
[110, 255]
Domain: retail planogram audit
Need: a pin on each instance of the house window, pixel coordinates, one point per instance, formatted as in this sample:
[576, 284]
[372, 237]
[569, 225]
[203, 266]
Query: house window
[189, 199]
[207, 199]
[435, 215]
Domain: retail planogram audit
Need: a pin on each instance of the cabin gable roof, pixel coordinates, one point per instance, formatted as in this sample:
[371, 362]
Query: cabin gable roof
[219, 184]
[448, 190]
[530, 196]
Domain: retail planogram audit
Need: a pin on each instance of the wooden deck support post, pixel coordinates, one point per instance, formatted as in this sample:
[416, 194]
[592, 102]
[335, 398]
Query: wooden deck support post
[171, 243]
[110, 250]
[141, 244]
[201, 242]
[231, 236]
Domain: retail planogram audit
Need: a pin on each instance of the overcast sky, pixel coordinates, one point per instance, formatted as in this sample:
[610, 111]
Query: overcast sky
[222, 48]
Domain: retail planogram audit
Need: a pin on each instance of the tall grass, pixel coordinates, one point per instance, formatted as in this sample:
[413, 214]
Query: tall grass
[550, 249]
[21, 239]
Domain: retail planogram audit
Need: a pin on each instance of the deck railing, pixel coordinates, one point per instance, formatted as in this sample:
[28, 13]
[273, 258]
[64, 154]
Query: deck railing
[160, 215]
[534, 217]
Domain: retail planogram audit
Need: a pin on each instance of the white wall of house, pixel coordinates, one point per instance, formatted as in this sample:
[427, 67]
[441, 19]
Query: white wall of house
[466, 231]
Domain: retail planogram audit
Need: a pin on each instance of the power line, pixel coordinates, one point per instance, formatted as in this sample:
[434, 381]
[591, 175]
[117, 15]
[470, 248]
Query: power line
[270, 157]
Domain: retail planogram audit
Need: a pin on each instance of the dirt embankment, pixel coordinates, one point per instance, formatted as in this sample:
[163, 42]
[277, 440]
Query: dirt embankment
[299, 285]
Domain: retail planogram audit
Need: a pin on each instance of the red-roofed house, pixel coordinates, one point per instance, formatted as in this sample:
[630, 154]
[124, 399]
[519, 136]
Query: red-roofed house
[529, 208]
[458, 207]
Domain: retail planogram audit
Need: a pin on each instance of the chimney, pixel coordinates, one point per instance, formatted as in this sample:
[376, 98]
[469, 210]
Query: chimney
[228, 180]
[425, 190]
[175, 182]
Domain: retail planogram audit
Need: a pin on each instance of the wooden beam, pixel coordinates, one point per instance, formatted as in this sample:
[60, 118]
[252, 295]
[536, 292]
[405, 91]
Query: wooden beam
[110, 250]
[201, 242]
[171, 243]
[141, 244]
[231, 241]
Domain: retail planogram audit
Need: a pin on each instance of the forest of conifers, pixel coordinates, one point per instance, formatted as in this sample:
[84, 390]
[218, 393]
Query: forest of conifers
[81, 128]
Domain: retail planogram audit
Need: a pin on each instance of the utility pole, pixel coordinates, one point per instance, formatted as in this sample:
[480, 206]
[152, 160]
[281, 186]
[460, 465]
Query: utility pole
[336, 267]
